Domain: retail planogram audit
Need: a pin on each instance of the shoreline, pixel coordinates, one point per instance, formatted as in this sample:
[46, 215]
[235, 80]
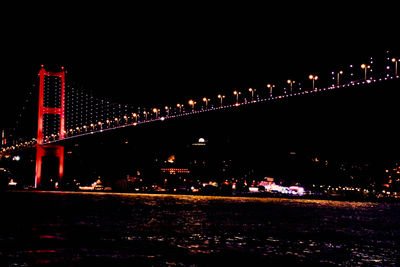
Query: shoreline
[242, 196]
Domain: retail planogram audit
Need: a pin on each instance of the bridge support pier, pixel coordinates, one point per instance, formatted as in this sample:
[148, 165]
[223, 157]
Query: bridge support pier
[48, 150]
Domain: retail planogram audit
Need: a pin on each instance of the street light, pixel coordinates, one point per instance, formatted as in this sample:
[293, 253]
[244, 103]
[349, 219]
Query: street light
[155, 110]
[313, 78]
[145, 115]
[395, 64]
[236, 93]
[192, 103]
[167, 110]
[338, 77]
[291, 85]
[134, 115]
[221, 97]
[205, 99]
[180, 107]
[270, 86]
[365, 67]
[251, 90]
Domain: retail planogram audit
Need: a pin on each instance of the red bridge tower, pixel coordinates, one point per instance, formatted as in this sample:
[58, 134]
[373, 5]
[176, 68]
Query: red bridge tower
[58, 109]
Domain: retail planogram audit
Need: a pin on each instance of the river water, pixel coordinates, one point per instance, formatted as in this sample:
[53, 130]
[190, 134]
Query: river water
[89, 229]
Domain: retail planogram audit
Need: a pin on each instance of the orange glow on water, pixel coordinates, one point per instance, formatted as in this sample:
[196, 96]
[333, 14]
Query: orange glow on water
[197, 198]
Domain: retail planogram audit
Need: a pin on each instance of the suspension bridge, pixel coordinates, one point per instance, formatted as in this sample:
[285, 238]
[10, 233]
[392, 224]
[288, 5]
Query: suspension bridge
[66, 112]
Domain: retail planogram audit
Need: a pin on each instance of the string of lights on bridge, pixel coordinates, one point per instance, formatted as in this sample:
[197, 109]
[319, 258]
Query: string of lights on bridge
[112, 116]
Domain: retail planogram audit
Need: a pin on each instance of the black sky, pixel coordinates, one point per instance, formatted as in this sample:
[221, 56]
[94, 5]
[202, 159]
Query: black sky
[167, 54]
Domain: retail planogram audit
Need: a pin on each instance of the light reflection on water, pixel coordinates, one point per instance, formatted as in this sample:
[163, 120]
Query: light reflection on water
[80, 229]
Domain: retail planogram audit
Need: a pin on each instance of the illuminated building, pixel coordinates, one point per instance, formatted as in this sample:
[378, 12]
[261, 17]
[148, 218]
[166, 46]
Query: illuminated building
[200, 142]
[199, 159]
[174, 171]
[6, 136]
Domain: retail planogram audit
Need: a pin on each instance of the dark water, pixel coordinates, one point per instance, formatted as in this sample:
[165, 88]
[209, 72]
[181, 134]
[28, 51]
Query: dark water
[58, 229]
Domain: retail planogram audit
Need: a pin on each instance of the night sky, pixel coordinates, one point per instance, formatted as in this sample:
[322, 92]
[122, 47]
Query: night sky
[150, 56]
